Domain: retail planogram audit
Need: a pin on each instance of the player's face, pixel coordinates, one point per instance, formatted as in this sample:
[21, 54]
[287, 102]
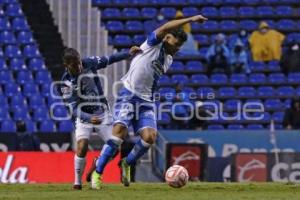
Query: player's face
[171, 44]
[74, 66]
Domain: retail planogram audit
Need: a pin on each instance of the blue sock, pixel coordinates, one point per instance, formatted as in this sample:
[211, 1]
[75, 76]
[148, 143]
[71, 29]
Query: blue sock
[109, 151]
[139, 149]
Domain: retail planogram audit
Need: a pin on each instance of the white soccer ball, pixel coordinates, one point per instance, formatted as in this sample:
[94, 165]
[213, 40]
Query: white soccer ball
[177, 176]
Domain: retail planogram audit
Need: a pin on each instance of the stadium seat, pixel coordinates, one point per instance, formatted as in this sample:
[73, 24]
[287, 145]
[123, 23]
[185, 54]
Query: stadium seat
[219, 79]
[36, 101]
[277, 78]
[11, 89]
[165, 119]
[42, 77]
[24, 77]
[248, 25]
[180, 79]
[149, 26]
[31, 51]
[149, 12]
[266, 91]
[297, 92]
[246, 12]
[25, 37]
[235, 127]
[14, 10]
[257, 78]
[4, 24]
[114, 26]
[255, 127]
[122, 40]
[228, 25]
[4, 113]
[177, 66]
[120, 2]
[232, 104]
[257, 66]
[36, 64]
[8, 126]
[199, 79]
[273, 104]
[265, 11]
[131, 13]
[6, 77]
[134, 26]
[226, 92]
[273, 66]
[20, 24]
[30, 89]
[168, 12]
[205, 91]
[30, 126]
[202, 39]
[111, 13]
[12, 51]
[246, 92]
[284, 11]
[238, 79]
[210, 26]
[47, 126]
[190, 11]
[286, 25]
[7, 37]
[39, 114]
[20, 114]
[228, 12]
[210, 12]
[195, 66]
[65, 126]
[285, 91]
[17, 64]
[294, 78]
[102, 2]
[215, 127]
[3, 101]
[18, 100]
[278, 117]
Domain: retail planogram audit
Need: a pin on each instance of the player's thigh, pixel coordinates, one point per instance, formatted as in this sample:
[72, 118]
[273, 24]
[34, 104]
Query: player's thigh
[104, 131]
[82, 130]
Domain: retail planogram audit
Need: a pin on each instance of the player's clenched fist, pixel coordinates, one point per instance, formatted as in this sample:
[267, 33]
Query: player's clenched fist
[198, 18]
[134, 50]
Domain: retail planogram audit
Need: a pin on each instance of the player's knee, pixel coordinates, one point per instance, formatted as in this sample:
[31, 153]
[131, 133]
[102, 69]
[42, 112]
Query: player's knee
[149, 137]
[82, 148]
[119, 131]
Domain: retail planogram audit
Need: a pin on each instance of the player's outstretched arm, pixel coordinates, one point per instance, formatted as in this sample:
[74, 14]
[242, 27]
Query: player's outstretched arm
[164, 29]
[124, 55]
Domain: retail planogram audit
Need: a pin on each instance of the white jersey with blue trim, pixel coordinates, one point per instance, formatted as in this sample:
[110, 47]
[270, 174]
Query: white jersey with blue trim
[146, 68]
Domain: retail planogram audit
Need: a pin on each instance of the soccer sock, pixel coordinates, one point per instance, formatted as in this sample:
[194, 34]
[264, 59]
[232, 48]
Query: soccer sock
[108, 151]
[139, 149]
[79, 165]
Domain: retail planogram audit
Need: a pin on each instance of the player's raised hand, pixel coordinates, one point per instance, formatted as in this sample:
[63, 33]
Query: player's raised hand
[135, 50]
[198, 18]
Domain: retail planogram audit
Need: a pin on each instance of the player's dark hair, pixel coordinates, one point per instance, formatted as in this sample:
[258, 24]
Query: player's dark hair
[179, 34]
[70, 55]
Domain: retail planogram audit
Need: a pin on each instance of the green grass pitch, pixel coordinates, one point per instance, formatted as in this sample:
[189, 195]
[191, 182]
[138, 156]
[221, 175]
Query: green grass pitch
[156, 191]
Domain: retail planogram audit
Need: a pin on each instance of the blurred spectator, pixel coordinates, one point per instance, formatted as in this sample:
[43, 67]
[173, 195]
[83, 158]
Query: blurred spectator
[292, 115]
[243, 36]
[290, 61]
[27, 141]
[217, 55]
[239, 59]
[198, 122]
[266, 43]
[190, 47]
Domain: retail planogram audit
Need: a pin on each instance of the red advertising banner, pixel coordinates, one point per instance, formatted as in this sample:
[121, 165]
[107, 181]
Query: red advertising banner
[190, 156]
[39, 167]
[251, 167]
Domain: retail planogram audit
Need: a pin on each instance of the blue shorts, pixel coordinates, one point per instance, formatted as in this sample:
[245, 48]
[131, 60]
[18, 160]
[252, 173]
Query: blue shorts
[130, 109]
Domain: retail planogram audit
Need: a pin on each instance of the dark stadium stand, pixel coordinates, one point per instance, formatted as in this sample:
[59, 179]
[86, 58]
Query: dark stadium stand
[24, 79]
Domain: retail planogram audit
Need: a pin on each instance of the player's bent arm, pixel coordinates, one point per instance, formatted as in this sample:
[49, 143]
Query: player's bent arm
[123, 55]
[164, 29]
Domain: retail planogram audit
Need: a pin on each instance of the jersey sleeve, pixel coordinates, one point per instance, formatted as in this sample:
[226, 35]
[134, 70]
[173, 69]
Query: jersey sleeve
[95, 62]
[152, 39]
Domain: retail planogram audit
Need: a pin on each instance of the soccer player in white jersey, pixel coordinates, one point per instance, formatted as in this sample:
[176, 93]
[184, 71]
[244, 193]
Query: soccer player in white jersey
[135, 104]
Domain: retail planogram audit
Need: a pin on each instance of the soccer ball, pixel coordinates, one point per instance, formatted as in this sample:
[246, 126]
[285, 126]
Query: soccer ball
[177, 176]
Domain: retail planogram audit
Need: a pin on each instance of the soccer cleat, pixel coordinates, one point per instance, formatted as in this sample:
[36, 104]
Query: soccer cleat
[77, 187]
[91, 170]
[96, 180]
[125, 172]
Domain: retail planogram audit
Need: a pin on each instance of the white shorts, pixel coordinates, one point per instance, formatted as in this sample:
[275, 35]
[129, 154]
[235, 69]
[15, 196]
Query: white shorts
[84, 130]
